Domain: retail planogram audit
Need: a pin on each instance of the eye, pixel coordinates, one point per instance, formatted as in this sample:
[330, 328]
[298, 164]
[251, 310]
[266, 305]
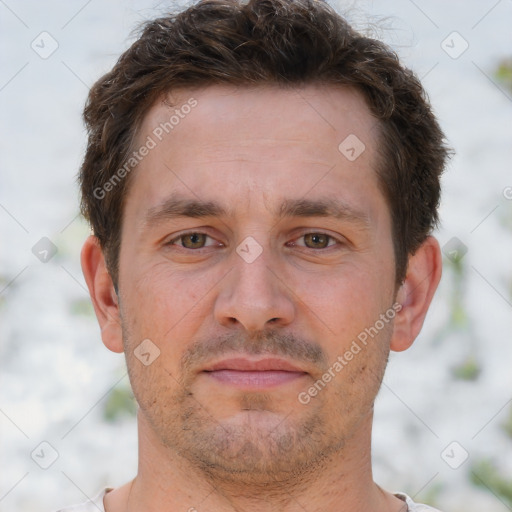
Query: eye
[197, 240]
[193, 240]
[316, 240]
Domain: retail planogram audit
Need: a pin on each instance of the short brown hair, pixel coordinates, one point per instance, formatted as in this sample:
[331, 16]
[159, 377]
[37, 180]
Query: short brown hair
[283, 42]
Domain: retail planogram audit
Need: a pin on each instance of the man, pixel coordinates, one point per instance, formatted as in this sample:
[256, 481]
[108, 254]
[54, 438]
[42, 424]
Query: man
[262, 182]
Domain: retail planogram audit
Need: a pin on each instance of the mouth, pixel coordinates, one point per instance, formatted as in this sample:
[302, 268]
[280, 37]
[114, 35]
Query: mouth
[250, 374]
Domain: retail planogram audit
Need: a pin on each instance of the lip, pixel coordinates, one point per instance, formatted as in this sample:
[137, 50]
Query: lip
[249, 374]
[247, 365]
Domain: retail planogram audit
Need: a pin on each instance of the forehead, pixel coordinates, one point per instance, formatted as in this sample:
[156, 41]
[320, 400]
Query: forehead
[246, 112]
[240, 140]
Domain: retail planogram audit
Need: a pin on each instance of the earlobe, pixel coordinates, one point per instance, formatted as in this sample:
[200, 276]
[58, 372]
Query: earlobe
[416, 293]
[103, 295]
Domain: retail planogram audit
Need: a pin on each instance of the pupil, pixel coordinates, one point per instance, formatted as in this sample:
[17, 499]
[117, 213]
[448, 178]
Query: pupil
[194, 238]
[318, 238]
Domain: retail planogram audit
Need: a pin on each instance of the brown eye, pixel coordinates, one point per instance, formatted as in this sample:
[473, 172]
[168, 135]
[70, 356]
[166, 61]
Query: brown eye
[316, 240]
[193, 240]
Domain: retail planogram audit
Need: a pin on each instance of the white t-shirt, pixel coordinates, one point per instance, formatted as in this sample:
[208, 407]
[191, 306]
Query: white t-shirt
[96, 504]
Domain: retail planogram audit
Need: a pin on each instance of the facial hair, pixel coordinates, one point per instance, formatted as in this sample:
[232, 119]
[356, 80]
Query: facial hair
[268, 448]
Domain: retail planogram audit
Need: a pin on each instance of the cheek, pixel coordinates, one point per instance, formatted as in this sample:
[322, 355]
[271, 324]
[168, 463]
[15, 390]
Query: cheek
[166, 306]
[164, 294]
[343, 304]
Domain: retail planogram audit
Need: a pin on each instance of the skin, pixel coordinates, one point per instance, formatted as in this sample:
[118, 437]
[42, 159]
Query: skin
[205, 444]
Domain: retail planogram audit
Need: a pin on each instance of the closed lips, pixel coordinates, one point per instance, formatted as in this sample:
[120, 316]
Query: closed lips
[254, 375]
[247, 365]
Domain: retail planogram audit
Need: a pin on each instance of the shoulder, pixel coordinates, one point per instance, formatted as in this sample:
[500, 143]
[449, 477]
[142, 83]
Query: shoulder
[414, 507]
[93, 505]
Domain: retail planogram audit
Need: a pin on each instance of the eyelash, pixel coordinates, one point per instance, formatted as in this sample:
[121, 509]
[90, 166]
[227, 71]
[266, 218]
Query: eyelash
[330, 237]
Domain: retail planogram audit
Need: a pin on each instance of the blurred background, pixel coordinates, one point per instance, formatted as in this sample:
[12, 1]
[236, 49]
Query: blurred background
[443, 419]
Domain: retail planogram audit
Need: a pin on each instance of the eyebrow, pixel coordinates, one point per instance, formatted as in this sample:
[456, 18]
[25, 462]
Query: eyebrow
[177, 207]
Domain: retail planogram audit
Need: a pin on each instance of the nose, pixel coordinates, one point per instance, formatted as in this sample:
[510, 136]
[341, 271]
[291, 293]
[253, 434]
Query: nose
[254, 295]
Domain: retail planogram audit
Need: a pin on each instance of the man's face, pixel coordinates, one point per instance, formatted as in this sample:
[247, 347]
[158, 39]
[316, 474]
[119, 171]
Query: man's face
[249, 286]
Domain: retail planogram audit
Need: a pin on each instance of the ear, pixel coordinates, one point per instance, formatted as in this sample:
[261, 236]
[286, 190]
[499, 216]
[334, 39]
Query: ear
[103, 295]
[416, 292]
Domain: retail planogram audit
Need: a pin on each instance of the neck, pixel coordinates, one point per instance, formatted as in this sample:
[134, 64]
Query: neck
[167, 481]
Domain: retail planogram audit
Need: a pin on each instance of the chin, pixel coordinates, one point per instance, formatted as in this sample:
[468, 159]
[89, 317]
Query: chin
[254, 446]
